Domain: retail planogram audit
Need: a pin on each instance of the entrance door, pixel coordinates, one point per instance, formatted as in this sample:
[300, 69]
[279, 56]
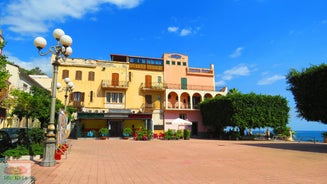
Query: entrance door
[148, 81]
[194, 128]
[115, 79]
[184, 83]
[115, 129]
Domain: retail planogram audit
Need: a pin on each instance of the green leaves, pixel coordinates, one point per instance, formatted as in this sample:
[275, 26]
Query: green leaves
[309, 89]
[245, 111]
[4, 74]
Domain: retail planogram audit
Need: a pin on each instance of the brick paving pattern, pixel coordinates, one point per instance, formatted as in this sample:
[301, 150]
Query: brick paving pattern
[186, 161]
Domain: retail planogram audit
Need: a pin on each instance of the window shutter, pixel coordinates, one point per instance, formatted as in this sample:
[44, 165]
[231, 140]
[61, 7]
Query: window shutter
[82, 97]
[71, 97]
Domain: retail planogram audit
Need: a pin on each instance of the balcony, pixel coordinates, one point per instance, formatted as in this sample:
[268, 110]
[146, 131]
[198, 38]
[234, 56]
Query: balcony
[143, 66]
[154, 86]
[149, 108]
[108, 84]
[190, 87]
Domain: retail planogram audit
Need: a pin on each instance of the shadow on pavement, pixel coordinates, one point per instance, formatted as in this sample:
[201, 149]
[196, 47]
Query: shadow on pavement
[316, 148]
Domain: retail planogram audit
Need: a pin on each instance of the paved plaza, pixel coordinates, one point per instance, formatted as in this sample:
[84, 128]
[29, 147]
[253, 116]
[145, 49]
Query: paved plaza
[186, 161]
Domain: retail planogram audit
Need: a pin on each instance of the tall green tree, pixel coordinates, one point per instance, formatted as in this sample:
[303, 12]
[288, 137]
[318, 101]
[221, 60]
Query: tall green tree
[33, 71]
[245, 111]
[309, 88]
[35, 104]
[42, 101]
[23, 104]
[4, 73]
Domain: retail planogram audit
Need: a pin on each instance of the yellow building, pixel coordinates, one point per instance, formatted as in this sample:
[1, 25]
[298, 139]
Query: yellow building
[127, 91]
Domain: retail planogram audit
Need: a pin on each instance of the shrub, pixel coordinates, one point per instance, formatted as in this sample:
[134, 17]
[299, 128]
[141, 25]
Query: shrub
[127, 132]
[169, 134]
[104, 131]
[36, 135]
[179, 134]
[149, 134]
[37, 149]
[187, 134]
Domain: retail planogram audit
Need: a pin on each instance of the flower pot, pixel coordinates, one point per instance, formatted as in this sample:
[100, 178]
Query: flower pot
[103, 138]
[57, 155]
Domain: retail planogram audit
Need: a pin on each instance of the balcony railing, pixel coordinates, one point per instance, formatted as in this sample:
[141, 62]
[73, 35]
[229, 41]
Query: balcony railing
[190, 87]
[154, 86]
[143, 66]
[114, 84]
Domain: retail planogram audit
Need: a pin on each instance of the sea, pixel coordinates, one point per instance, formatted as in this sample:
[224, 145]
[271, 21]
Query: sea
[308, 136]
[302, 135]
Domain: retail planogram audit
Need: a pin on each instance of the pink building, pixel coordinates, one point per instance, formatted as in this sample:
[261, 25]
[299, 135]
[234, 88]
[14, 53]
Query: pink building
[186, 87]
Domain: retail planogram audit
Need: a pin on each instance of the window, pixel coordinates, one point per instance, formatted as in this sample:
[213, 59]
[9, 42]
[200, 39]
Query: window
[184, 83]
[78, 75]
[91, 96]
[173, 62]
[178, 63]
[77, 98]
[137, 60]
[91, 76]
[167, 62]
[183, 116]
[65, 74]
[159, 79]
[129, 76]
[115, 79]
[155, 62]
[148, 81]
[114, 97]
[184, 63]
[196, 101]
[148, 100]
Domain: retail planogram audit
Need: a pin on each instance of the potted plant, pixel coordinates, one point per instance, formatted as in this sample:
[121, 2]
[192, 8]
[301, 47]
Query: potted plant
[179, 134]
[127, 132]
[104, 132]
[324, 134]
[187, 134]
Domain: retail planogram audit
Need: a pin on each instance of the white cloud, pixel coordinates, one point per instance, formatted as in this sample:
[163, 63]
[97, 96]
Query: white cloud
[239, 70]
[172, 29]
[185, 32]
[43, 63]
[220, 83]
[270, 80]
[237, 53]
[30, 17]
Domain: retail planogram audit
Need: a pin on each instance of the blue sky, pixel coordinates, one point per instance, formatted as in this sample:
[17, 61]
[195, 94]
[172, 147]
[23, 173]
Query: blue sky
[252, 43]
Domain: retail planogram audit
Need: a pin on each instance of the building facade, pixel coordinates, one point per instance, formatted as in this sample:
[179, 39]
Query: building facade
[136, 92]
[186, 87]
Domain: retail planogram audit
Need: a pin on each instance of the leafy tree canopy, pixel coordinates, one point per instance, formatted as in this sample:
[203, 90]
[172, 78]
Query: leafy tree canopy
[309, 88]
[33, 71]
[36, 104]
[245, 111]
[4, 73]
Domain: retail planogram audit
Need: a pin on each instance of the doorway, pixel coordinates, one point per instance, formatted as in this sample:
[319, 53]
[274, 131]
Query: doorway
[115, 129]
[194, 131]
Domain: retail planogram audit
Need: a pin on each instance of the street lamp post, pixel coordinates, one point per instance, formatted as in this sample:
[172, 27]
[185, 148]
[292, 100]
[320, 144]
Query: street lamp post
[68, 89]
[61, 50]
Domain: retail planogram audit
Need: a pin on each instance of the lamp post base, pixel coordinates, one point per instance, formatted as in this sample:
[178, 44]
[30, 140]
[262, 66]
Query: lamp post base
[49, 151]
